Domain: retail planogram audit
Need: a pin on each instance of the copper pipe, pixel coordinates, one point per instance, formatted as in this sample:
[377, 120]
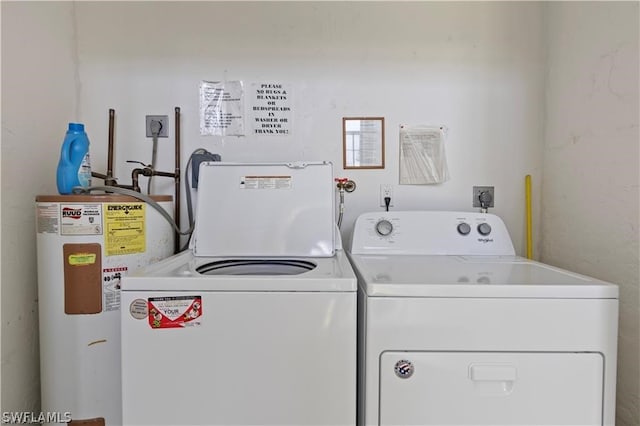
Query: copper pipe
[135, 173]
[110, 180]
[99, 176]
[146, 171]
[177, 179]
[163, 174]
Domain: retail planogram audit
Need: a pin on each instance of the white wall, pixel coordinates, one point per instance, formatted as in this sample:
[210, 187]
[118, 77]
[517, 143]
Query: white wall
[475, 68]
[38, 98]
[590, 186]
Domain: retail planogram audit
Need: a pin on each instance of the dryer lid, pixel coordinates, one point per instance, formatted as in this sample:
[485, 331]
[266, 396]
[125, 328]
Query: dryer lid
[474, 277]
[265, 209]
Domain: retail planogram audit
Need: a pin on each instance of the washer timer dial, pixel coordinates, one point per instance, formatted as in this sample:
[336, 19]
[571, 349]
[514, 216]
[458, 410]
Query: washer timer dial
[384, 227]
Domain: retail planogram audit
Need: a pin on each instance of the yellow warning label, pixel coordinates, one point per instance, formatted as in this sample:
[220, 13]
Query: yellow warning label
[124, 228]
[80, 259]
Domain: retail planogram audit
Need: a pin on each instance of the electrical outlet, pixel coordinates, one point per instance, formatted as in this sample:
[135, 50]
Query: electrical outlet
[479, 190]
[157, 120]
[386, 190]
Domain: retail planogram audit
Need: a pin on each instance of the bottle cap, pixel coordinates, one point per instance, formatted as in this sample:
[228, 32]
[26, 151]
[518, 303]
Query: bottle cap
[76, 127]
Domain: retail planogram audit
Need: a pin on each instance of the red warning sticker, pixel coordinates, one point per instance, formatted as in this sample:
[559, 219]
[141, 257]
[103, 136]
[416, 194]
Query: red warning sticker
[175, 312]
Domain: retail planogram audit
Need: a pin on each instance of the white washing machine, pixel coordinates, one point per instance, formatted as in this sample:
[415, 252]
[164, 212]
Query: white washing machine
[256, 323]
[454, 329]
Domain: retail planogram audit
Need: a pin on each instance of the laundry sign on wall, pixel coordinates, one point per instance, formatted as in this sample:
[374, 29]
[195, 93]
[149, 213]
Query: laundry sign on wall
[221, 108]
[271, 109]
[422, 155]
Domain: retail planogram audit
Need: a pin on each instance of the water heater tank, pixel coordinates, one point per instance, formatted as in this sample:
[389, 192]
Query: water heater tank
[85, 245]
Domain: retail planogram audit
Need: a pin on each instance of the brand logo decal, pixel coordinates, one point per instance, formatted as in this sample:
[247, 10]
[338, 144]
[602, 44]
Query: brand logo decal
[485, 240]
[125, 207]
[404, 369]
[72, 213]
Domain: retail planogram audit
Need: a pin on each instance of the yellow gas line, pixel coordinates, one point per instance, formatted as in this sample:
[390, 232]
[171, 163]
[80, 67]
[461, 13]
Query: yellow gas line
[527, 186]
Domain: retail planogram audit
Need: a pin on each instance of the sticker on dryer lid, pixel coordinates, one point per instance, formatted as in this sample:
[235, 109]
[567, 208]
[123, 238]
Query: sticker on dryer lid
[404, 369]
[265, 182]
[175, 312]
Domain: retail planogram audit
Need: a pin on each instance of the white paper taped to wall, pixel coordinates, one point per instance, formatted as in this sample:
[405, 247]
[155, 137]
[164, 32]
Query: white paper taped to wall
[422, 155]
[221, 108]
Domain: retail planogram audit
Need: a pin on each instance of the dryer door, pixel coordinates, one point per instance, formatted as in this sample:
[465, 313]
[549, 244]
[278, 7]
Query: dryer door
[491, 388]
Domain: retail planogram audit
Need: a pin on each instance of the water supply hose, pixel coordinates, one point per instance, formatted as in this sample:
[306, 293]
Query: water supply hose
[140, 196]
[341, 207]
[343, 184]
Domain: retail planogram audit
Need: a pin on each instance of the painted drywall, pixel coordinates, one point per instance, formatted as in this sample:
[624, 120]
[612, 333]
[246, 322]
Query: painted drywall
[590, 180]
[38, 97]
[475, 68]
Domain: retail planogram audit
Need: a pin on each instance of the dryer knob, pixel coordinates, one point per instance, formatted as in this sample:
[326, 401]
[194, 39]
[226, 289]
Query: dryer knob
[384, 227]
[464, 228]
[484, 229]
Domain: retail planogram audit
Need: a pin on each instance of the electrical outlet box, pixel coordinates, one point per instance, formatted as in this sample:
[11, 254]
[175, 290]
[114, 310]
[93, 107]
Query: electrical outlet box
[152, 121]
[487, 192]
[386, 190]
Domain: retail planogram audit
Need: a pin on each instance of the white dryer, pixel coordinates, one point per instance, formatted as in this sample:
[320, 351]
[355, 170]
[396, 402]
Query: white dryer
[256, 323]
[454, 329]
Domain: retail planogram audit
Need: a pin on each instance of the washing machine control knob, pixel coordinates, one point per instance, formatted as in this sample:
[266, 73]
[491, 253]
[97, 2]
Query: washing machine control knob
[464, 228]
[384, 227]
[484, 229]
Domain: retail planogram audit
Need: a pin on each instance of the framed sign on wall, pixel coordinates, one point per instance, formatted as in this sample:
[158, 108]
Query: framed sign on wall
[363, 142]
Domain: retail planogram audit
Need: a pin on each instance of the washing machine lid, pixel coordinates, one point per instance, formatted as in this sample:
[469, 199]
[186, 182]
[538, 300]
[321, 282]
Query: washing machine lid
[473, 276]
[186, 272]
[265, 209]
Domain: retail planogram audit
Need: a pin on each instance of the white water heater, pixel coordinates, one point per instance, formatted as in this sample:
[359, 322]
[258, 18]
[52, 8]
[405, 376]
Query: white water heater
[85, 245]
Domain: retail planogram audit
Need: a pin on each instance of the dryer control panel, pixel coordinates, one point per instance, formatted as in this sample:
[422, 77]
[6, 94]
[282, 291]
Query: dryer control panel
[431, 233]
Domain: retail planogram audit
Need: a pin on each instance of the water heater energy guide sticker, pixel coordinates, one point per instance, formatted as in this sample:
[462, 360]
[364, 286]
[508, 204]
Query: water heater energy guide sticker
[175, 312]
[81, 219]
[124, 225]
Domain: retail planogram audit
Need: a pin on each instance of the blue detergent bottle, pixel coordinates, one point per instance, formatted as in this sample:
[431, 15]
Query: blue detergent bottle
[74, 167]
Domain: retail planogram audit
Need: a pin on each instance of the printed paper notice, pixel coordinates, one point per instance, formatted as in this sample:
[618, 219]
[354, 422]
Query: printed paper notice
[271, 110]
[422, 155]
[221, 108]
[124, 225]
